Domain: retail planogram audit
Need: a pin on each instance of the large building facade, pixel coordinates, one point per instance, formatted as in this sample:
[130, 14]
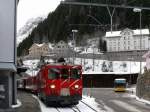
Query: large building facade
[62, 49]
[38, 50]
[127, 40]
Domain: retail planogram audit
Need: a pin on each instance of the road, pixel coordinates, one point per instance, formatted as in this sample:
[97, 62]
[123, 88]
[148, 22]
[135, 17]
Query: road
[111, 101]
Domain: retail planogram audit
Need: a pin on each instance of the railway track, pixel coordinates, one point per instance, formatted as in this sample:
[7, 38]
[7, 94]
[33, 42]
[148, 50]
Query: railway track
[81, 107]
[89, 106]
[67, 110]
[77, 108]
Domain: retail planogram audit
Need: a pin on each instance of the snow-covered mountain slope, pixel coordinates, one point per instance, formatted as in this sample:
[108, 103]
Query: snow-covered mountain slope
[27, 28]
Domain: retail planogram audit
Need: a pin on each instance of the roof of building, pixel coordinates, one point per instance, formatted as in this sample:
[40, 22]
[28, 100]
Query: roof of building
[135, 32]
[51, 46]
[40, 45]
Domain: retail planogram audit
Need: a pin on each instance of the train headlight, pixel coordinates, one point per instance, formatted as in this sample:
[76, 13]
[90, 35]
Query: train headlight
[76, 86]
[52, 86]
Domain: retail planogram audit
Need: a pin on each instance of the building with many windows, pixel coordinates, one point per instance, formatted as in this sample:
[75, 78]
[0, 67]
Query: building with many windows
[62, 49]
[38, 50]
[127, 40]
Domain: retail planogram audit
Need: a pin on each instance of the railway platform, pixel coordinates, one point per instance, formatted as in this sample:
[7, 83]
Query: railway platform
[29, 104]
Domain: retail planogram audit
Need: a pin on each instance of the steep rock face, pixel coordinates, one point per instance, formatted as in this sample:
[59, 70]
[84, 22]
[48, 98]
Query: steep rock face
[143, 85]
[27, 28]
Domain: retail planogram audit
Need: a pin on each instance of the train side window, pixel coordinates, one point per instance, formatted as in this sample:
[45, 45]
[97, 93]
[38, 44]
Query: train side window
[75, 74]
[64, 73]
[53, 73]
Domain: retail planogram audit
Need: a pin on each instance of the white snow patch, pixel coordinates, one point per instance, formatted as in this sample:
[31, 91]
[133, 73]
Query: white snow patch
[132, 94]
[17, 105]
[91, 102]
[142, 100]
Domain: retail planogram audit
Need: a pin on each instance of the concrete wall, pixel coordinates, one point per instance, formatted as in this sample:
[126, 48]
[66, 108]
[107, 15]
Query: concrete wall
[106, 80]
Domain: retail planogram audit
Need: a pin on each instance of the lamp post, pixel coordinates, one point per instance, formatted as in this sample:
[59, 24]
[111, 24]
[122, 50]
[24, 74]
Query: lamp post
[140, 11]
[73, 34]
[93, 58]
[130, 80]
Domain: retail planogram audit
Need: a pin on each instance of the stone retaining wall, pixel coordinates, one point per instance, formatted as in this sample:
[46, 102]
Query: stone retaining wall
[143, 85]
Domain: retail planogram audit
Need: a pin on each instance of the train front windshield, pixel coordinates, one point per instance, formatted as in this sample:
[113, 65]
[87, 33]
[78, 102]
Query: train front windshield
[64, 73]
[120, 83]
[75, 74]
[53, 73]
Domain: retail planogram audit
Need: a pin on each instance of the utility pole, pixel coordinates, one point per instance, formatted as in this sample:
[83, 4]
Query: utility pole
[107, 6]
[138, 10]
[74, 41]
[103, 5]
[111, 17]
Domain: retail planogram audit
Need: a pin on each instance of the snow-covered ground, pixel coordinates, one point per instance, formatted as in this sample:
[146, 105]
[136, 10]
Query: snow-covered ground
[132, 94]
[18, 104]
[82, 107]
[95, 66]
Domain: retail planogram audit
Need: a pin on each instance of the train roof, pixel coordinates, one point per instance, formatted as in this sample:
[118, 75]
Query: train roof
[120, 79]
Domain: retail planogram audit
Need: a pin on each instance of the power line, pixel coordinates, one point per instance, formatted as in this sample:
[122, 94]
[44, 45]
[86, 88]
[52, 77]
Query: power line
[104, 5]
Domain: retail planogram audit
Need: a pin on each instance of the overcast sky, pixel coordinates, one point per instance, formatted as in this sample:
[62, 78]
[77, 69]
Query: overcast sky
[34, 8]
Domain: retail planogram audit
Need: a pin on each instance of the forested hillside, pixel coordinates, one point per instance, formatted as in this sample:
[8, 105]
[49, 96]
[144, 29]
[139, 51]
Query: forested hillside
[87, 20]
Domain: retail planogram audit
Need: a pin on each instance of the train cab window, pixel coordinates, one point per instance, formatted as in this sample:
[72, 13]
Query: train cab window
[64, 73]
[75, 74]
[53, 73]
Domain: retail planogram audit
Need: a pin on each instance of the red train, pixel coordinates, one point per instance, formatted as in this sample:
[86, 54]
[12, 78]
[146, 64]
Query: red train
[57, 83]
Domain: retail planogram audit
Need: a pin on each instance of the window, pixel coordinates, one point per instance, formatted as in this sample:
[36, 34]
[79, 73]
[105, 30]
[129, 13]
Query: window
[134, 46]
[128, 47]
[53, 73]
[143, 42]
[128, 33]
[128, 42]
[64, 73]
[134, 42]
[75, 74]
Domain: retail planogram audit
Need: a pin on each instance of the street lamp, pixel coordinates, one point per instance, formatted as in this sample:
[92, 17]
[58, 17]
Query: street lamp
[130, 80]
[74, 41]
[140, 11]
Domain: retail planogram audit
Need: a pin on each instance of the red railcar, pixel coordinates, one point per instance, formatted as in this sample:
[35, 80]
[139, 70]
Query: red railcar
[60, 83]
[27, 83]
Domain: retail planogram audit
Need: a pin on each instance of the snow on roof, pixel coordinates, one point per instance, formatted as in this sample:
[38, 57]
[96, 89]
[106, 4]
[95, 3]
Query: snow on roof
[120, 79]
[143, 31]
[51, 46]
[113, 34]
[135, 32]
[39, 45]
